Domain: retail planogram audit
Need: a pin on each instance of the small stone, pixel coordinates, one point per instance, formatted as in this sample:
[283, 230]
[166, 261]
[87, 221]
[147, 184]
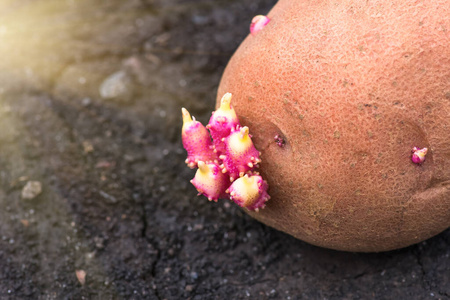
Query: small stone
[31, 190]
[86, 101]
[198, 227]
[115, 85]
[194, 275]
[99, 242]
[189, 288]
[87, 147]
[81, 276]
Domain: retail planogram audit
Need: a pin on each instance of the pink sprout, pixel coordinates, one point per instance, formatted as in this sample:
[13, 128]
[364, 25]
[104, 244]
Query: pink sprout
[418, 155]
[258, 23]
[241, 155]
[222, 121]
[196, 140]
[249, 192]
[226, 163]
[210, 181]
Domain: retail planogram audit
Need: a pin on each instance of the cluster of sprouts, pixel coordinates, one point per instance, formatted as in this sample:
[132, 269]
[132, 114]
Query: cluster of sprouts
[225, 158]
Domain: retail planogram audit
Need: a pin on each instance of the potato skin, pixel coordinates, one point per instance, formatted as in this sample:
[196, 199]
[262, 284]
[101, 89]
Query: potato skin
[352, 87]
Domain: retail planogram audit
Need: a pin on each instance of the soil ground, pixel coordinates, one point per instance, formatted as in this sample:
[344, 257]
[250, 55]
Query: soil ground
[90, 98]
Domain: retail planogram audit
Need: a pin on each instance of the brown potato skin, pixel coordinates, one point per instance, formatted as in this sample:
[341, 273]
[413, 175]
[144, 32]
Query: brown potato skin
[352, 86]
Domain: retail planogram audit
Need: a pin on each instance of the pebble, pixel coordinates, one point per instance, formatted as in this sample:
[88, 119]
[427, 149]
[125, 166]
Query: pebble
[116, 85]
[31, 190]
[189, 288]
[86, 101]
[81, 276]
[88, 147]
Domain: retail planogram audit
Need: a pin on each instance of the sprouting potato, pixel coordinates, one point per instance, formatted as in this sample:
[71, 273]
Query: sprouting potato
[349, 104]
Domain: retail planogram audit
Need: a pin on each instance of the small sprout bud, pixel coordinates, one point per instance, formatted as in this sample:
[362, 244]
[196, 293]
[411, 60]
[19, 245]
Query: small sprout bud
[196, 140]
[249, 192]
[241, 153]
[258, 23]
[210, 181]
[418, 155]
[222, 121]
[279, 140]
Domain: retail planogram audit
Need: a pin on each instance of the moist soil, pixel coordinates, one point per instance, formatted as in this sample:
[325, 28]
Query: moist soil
[95, 199]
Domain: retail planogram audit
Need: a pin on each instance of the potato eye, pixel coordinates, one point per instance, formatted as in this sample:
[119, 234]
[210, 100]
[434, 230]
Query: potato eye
[280, 140]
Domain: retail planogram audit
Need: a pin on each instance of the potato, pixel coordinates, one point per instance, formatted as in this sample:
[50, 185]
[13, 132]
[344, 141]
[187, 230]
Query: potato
[336, 95]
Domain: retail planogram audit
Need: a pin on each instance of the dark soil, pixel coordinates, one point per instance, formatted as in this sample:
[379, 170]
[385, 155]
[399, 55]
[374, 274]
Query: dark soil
[116, 200]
